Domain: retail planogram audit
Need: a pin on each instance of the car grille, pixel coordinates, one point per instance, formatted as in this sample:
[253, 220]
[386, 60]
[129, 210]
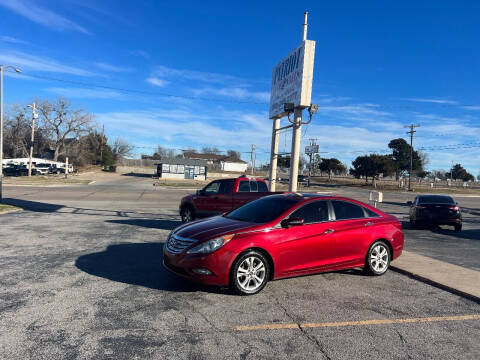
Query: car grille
[176, 244]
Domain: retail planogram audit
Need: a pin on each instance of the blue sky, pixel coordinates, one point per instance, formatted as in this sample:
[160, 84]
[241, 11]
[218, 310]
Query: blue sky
[379, 65]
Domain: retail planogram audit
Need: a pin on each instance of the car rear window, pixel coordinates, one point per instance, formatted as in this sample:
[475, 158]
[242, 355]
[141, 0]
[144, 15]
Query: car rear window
[435, 199]
[345, 210]
[262, 187]
[263, 210]
[253, 186]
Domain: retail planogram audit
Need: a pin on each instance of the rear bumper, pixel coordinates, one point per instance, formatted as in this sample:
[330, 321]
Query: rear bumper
[439, 221]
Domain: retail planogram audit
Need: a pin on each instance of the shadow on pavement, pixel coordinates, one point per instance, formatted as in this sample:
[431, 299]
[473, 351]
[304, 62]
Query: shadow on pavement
[149, 223]
[469, 234]
[136, 264]
[395, 203]
[33, 205]
[139, 175]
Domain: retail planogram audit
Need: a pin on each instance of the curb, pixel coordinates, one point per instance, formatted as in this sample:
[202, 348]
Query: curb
[436, 284]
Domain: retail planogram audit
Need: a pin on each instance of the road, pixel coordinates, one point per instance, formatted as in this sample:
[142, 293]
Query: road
[82, 278]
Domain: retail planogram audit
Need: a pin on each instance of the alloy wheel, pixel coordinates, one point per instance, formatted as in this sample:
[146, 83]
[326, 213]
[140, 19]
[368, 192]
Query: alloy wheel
[251, 273]
[379, 258]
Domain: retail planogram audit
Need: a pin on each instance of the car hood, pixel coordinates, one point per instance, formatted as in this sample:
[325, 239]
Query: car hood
[213, 227]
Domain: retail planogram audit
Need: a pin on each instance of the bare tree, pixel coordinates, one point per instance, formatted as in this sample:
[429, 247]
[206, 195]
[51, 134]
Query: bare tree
[211, 150]
[121, 148]
[163, 152]
[234, 155]
[62, 121]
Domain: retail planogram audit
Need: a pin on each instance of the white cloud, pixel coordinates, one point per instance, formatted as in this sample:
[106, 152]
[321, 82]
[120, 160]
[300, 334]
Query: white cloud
[156, 81]
[355, 109]
[208, 77]
[140, 53]
[235, 92]
[12, 40]
[112, 68]
[433, 101]
[26, 61]
[83, 93]
[42, 16]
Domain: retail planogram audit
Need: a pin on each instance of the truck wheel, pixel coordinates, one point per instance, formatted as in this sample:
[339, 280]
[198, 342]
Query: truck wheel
[187, 214]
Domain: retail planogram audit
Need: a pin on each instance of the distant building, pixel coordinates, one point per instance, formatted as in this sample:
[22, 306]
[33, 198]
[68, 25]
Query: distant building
[177, 168]
[221, 162]
[235, 165]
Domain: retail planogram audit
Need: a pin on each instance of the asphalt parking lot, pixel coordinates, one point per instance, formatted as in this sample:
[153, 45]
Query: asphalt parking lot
[82, 278]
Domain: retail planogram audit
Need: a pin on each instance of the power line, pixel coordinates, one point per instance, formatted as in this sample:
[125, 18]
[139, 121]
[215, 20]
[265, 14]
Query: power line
[142, 92]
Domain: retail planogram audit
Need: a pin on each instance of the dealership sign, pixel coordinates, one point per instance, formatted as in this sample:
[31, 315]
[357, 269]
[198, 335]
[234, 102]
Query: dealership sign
[292, 79]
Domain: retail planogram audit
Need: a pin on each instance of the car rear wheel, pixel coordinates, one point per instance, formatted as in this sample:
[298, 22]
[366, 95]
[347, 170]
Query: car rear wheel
[378, 258]
[250, 273]
[187, 214]
[458, 227]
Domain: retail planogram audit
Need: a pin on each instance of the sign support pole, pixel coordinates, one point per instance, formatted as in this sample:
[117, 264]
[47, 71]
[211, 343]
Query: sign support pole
[274, 154]
[295, 156]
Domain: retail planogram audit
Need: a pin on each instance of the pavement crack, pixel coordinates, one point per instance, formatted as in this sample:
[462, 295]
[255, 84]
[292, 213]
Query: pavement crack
[404, 342]
[309, 337]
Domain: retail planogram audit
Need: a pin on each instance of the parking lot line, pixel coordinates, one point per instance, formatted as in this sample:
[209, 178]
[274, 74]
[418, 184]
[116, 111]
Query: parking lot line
[357, 323]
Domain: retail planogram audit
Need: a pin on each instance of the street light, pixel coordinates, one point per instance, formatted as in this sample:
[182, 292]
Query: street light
[2, 68]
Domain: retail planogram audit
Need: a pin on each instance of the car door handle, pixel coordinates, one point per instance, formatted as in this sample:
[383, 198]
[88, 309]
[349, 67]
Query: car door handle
[369, 223]
[328, 231]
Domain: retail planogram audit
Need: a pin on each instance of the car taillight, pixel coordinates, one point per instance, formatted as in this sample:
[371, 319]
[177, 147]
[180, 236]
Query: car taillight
[454, 208]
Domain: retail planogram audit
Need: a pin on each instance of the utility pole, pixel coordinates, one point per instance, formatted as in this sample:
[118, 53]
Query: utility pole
[252, 158]
[34, 116]
[411, 132]
[311, 153]
[101, 146]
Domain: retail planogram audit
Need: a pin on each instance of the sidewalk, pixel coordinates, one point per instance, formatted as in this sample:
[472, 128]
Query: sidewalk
[439, 273]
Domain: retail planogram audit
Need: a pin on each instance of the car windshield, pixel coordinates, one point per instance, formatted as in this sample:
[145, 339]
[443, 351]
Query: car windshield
[264, 209]
[435, 199]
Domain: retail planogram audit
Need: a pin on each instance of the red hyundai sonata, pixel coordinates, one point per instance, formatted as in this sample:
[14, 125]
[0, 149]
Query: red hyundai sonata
[281, 236]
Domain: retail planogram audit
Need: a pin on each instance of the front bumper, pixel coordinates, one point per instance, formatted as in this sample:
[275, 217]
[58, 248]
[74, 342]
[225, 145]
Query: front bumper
[182, 264]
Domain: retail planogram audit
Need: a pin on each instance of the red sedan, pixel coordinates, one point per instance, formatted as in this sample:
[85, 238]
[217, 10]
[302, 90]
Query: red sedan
[281, 236]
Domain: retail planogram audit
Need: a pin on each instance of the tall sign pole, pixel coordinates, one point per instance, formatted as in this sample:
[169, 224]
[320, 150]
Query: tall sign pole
[291, 93]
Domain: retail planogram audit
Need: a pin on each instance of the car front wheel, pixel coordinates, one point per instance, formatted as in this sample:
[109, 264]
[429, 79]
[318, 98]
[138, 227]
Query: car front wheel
[250, 273]
[378, 258]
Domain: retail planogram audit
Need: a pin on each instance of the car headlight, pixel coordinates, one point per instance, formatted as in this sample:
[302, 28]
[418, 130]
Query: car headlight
[211, 245]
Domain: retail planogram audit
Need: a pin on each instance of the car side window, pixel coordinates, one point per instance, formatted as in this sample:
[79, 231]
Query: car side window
[370, 213]
[253, 186]
[345, 210]
[244, 186]
[262, 187]
[313, 212]
[225, 187]
[212, 188]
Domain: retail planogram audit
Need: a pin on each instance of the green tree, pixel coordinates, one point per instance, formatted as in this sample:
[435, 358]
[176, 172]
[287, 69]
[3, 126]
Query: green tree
[401, 157]
[457, 172]
[332, 165]
[372, 165]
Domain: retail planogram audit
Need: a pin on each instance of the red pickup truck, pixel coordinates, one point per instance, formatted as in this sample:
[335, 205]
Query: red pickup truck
[221, 196]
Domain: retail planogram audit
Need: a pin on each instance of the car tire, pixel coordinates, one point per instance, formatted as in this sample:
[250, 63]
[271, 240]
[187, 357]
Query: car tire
[458, 227]
[413, 223]
[378, 258]
[187, 214]
[250, 273]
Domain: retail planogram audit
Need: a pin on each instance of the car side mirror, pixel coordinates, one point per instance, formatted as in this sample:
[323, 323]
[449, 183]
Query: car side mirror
[200, 192]
[409, 203]
[286, 223]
